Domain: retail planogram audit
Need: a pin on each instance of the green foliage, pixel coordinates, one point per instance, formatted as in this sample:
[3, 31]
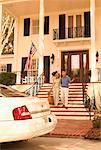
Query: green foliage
[97, 121]
[7, 78]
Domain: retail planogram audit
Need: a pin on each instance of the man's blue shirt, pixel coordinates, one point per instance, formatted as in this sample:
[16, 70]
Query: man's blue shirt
[65, 81]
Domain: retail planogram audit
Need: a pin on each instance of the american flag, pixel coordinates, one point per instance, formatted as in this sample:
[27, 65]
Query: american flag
[28, 65]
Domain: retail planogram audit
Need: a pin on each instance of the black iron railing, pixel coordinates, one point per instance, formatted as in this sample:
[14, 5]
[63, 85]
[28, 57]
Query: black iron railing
[75, 32]
[90, 103]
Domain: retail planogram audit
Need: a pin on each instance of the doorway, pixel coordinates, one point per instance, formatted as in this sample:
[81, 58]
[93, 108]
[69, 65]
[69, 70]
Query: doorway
[76, 64]
[47, 68]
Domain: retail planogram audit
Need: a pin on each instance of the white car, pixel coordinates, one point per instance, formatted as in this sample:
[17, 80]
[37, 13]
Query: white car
[23, 117]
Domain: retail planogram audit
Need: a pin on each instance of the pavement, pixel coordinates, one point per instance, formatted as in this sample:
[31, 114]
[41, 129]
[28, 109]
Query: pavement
[71, 128]
[45, 143]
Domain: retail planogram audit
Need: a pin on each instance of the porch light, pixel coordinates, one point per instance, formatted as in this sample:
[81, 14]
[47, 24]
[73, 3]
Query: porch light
[97, 56]
[52, 58]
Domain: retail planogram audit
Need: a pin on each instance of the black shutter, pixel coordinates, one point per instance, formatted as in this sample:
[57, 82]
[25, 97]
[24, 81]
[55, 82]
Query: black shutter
[47, 68]
[46, 25]
[87, 28]
[27, 27]
[62, 26]
[9, 67]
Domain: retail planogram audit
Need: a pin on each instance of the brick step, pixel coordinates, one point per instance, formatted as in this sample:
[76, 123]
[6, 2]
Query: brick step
[69, 109]
[43, 93]
[75, 93]
[74, 117]
[69, 106]
[47, 84]
[75, 87]
[70, 113]
[73, 102]
[42, 96]
[75, 90]
[46, 87]
[78, 83]
[44, 90]
[75, 96]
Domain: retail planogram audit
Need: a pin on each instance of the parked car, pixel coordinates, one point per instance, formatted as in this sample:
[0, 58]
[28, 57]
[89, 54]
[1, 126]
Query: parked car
[23, 117]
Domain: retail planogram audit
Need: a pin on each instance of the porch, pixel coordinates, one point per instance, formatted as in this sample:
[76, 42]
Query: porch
[33, 7]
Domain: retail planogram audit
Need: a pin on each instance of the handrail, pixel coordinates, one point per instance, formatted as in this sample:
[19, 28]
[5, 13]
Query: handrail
[33, 90]
[89, 103]
[72, 32]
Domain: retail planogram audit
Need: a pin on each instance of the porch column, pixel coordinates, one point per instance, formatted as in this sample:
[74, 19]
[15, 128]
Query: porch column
[1, 11]
[41, 37]
[93, 44]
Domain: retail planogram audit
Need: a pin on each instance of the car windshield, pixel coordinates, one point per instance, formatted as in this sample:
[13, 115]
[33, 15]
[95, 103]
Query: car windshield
[9, 92]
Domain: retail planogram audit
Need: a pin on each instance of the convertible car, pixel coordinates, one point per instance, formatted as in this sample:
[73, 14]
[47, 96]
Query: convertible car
[23, 117]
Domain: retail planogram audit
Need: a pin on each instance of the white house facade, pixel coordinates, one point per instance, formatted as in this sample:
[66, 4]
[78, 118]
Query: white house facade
[66, 34]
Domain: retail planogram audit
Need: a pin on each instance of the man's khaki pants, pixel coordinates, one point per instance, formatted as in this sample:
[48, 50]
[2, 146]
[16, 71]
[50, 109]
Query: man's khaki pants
[64, 96]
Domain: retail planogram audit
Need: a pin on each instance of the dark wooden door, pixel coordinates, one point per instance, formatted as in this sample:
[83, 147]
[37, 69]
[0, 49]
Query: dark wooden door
[62, 26]
[76, 64]
[47, 68]
[9, 67]
[87, 28]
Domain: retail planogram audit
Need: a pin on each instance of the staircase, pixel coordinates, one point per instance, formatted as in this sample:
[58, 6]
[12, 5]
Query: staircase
[76, 109]
[43, 93]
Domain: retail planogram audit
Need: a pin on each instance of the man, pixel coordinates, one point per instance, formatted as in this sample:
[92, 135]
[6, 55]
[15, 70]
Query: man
[65, 80]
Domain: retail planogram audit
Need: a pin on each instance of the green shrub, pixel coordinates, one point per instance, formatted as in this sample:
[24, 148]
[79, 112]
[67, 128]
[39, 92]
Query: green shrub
[7, 78]
[97, 122]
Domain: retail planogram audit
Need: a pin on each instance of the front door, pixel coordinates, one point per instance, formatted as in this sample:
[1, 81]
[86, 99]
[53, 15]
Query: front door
[76, 64]
[47, 68]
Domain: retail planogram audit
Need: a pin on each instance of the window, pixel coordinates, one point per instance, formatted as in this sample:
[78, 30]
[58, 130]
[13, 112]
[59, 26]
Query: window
[34, 71]
[46, 25]
[27, 27]
[70, 26]
[3, 68]
[35, 27]
[79, 29]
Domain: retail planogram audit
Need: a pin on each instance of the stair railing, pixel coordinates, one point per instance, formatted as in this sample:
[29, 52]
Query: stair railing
[89, 103]
[33, 90]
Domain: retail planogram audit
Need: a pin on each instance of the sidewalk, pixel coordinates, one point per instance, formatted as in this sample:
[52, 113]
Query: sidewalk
[71, 128]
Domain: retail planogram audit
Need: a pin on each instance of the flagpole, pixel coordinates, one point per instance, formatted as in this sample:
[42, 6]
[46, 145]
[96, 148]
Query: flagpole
[41, 37]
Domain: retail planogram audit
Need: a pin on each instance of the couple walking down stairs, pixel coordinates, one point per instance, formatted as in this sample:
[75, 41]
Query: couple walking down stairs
[76, 108]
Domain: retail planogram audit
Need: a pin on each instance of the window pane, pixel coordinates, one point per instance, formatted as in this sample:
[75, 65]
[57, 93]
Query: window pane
[75, 66]
[35, 27]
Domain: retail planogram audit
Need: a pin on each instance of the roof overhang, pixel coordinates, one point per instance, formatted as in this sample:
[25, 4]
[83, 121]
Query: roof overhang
[29, 7]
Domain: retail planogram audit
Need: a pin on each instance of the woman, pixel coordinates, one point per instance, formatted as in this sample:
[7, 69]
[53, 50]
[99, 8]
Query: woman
[56, 87]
